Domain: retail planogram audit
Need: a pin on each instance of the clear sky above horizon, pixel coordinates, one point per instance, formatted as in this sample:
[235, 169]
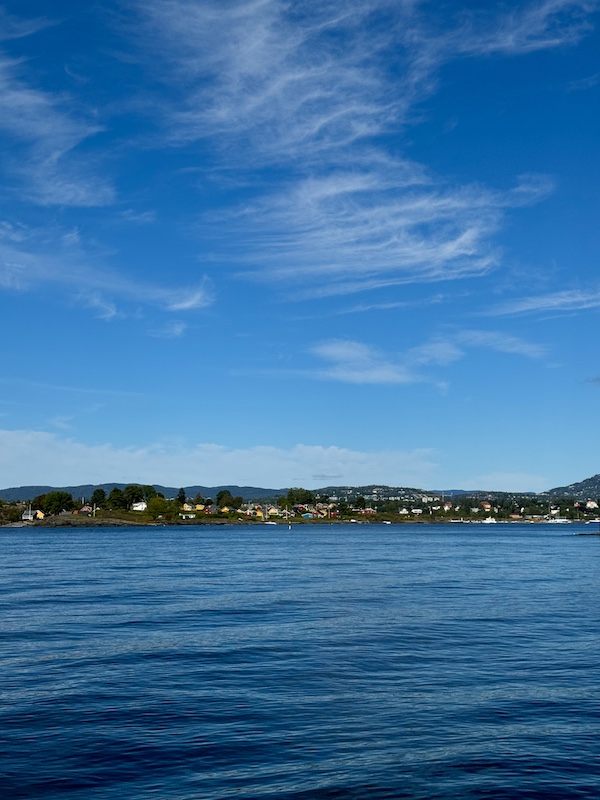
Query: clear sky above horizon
[300, 243]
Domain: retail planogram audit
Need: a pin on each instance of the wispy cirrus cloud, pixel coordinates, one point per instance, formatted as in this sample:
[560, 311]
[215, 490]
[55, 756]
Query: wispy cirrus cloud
[34, 385]
[298, 80]
[351, 361]
[501, 343]
[138, 217]
[34, 258]
[172, 330]
[293, 81]
[589, 82]
[105, 309]
[271, 83]
[363, 308]
[355, 362]
[266, 83]
[12, 27]
[567, 300]
[355, 231]
[526, 28]
[444, 350]
[44, 135]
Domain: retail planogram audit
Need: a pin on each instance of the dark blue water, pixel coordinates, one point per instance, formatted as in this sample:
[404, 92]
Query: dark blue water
[330, 662]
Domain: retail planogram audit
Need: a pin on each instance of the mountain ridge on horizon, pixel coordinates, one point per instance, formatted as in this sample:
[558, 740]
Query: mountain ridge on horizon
[589, 488]
[24, 493]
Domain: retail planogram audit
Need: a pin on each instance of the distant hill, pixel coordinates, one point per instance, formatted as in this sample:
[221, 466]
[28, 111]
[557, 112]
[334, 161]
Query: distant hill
[249, 493]
[584, 490]
[588, 489]
[368, 490]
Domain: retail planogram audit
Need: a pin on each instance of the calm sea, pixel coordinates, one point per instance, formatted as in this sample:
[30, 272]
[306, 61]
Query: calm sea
[358, 661]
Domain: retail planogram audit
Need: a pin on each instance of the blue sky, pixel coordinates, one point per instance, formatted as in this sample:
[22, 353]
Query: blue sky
[300, 243]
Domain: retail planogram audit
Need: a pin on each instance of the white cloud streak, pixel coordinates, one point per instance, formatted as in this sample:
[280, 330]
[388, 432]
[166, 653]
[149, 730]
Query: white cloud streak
[501, 343]
[33, 385]
[270, 83]
[12, 27]
[357, 363]
[46, 136]
[299, 79]
[30, 259]
[172, 330]
[354, 362]
[294, 80]
[527, 28]
[567, 300]
[302, 85]
[36, 457]
[348, 232]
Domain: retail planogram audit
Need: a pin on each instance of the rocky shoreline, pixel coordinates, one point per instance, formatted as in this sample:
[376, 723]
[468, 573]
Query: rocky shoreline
[112, 522]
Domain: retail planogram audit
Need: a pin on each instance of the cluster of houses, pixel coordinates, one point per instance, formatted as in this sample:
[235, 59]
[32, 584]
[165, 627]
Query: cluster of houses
[29, 515]
[263, 511]
[329, 510]
[251, 510]
[589, 505]
[191, 511]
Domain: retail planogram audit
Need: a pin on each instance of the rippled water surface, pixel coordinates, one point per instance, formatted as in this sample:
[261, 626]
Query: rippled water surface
[358, 661]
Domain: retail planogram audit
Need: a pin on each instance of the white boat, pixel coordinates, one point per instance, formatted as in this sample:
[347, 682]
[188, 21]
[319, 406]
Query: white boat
[489, 520]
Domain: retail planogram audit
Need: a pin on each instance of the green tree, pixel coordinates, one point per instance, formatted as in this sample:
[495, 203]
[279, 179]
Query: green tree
[132, 494]
[224, 498]
[148, 492]
[54, 502]
[158, 507]
[343, 508]
[198, 499]
[116, 499]
[297, 496]
[181, 496]
[10, 512]
[98, 497]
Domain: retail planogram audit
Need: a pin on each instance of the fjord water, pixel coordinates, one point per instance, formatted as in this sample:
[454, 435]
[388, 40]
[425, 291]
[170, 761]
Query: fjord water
[350, 661]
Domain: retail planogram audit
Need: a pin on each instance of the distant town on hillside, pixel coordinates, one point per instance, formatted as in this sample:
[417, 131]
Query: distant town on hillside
[142, 504]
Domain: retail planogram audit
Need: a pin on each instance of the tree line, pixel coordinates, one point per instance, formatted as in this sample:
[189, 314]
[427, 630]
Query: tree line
[117, 499]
